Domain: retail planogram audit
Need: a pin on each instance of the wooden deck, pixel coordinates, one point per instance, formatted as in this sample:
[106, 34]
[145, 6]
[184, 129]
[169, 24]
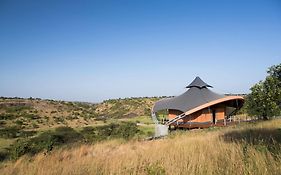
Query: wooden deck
[193, 125]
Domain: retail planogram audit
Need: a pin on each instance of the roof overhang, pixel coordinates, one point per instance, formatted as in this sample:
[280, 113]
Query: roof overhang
[215, 102]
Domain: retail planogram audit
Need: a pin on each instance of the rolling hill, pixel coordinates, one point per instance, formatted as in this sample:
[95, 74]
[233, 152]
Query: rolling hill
[34, 113]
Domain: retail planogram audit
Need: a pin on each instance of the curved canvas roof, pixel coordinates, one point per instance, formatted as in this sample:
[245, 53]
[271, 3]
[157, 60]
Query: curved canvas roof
[197, 95]
[224, 99]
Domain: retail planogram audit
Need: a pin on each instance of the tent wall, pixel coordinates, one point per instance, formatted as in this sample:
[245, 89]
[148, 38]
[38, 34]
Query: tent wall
[172, 113]
[199, 118]
[220, 113]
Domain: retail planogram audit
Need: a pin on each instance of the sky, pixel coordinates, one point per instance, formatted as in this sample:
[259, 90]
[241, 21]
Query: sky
[95, 50]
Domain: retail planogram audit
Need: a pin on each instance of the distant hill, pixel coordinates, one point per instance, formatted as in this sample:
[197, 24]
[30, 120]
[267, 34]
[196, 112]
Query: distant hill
[34, 113]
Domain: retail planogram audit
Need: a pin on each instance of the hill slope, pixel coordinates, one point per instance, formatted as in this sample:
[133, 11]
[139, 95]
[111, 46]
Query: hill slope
[44, 124]
[36, 113]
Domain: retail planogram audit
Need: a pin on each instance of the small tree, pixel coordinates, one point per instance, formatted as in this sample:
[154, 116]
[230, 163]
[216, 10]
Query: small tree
[264, 100]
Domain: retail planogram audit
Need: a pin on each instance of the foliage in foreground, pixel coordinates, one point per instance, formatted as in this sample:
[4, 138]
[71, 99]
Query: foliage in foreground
[249, 149]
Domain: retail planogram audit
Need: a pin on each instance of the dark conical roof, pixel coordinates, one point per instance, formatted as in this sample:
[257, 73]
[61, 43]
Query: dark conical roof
[199, 83]
[197, 94]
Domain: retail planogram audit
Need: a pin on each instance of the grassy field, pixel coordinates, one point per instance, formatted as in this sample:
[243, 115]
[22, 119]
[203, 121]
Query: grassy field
[139, 119]
[250, 148]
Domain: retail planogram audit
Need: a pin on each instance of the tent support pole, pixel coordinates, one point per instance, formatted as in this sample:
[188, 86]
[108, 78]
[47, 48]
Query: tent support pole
[189, 122]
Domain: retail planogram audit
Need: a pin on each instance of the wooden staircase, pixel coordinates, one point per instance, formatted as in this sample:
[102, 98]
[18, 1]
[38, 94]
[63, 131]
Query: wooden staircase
[175, 119]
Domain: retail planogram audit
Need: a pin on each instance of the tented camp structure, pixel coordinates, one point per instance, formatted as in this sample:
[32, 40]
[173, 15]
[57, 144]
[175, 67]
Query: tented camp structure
[198, 107]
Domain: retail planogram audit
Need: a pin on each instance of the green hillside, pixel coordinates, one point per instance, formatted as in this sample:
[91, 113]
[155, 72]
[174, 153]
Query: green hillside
[38, 125]
[36, 113]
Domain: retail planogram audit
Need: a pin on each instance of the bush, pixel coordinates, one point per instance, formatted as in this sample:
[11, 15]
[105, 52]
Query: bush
[62, 136]
[72, 117]
[2, 123]
[19, 148]
[59, 120]
[127, 130]
[34, 125]
[68, 134]
[13, 109]
[30, 116]
[147, 111]
[124, 130]
[3, 155]
[90, 134]
[7, 116]
[46, 141]
[15, 132]
[19, 122]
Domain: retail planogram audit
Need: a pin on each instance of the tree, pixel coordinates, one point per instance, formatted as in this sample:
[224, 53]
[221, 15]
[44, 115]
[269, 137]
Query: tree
[264, 101]
[275, 71]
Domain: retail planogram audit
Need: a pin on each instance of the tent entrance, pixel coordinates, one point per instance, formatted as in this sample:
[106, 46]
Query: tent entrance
[213, 116]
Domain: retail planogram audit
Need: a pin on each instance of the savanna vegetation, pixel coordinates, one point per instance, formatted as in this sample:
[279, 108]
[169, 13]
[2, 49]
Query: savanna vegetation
[29, 126]
[56, 137]
[242, 149]
[36, 113]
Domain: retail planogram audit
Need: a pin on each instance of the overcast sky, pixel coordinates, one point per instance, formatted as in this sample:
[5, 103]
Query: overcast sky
[96, 50]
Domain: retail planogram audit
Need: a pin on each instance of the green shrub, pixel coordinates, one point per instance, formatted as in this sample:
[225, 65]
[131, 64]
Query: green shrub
[15, 132]
[72, 117]
[19, 122]
[147, 111]
[124, 130]
[127, 130]
[7, 116]
[59, 120]
[19, 148]
[150, 133]
[40, 121]
[90, 134]
[46, 141]
[62, 136]
[34, 125]
[68, 134]
[3, 155]
[46, 118]
[14, 109]
[30, 116]
[2, 123]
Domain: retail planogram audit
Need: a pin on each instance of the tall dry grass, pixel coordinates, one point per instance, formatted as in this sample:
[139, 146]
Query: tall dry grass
[194, 152]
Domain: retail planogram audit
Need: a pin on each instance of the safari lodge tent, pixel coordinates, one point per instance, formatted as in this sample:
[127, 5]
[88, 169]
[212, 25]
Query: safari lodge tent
[198, 107]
